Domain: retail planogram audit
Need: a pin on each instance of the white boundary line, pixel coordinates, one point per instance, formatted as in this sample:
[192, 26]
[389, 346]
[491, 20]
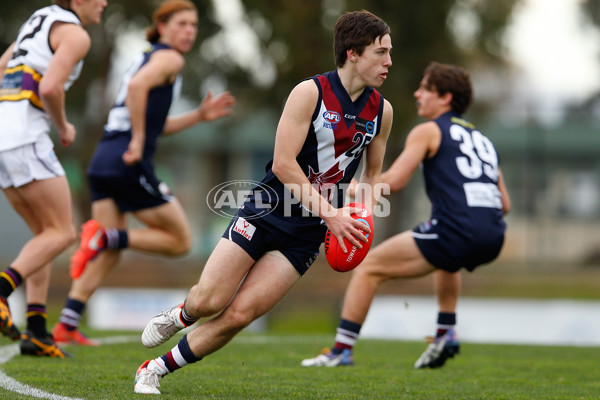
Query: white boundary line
[12, 385]
[9, 351]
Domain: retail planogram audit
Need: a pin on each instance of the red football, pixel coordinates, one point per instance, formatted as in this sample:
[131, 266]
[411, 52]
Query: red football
[343, 262]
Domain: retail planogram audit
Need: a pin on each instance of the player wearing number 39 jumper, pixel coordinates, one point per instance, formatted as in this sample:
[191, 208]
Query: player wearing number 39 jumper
[468, 198]
[36, 70]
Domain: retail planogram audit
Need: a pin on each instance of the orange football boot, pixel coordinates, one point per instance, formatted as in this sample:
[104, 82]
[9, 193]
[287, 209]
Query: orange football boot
[90, 246]
[62, 335]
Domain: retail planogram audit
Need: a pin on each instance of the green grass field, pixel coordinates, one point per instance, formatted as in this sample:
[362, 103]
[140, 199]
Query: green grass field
[267, 367]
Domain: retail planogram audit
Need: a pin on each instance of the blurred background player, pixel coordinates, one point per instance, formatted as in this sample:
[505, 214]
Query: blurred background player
[36, 70]
[447, 288]
[121, 173]
[262, 255]
[464, 183]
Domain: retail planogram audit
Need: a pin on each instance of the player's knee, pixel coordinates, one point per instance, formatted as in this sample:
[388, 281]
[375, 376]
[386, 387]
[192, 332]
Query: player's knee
[181, 245]
[65, 237]
[71, 235]
[239, 318]
[205, 306]
[368, 270]
[184, 246]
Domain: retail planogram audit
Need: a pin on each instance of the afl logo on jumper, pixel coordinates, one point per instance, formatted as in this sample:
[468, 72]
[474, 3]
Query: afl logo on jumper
[331, 119]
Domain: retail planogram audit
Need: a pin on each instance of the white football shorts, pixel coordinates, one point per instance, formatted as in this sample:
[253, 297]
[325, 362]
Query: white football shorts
[33, 161]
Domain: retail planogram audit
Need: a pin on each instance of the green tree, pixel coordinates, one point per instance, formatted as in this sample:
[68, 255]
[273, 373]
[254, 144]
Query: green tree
[421, 32]
[295, 37]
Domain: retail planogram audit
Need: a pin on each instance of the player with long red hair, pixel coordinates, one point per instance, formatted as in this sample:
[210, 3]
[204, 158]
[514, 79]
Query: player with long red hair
[121, 173]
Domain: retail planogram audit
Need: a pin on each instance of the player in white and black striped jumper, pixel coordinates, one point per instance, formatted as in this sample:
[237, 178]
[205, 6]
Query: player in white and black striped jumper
[36, 71]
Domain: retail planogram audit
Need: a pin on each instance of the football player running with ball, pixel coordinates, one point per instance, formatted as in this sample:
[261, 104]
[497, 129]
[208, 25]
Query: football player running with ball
[327, 123]
[469, 199]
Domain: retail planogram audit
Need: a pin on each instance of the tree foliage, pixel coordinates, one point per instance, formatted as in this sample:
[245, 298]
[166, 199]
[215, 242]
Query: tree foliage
[421, 32]
[296, 36]
[592, 8]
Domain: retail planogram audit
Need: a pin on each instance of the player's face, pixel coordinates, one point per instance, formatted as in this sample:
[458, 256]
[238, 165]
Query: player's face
[429, 103]
[374, 62]
[91, 11]
[180, 30]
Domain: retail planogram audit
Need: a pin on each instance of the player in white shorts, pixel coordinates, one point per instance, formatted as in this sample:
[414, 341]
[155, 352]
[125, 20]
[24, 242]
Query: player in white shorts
[35, 72]
[31, 162]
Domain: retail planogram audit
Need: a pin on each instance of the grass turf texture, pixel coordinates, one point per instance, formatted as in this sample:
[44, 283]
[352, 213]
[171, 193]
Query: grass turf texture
[267, 367]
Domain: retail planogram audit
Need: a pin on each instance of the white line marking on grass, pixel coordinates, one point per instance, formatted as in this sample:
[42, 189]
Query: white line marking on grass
[291, 339]
[120, 339]
[11, 384]
[8, 383]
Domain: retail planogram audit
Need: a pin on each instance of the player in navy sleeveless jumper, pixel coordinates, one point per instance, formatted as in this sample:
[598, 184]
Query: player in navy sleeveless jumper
[121, 173]
[326, 125]
[36, 71]
[468, 198]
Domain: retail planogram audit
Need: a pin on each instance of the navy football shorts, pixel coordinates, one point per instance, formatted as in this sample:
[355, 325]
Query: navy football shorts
[257, 237]
[130, 193]
[448, 249]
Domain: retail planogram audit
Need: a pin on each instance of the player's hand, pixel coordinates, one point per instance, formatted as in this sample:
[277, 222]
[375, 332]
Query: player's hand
[67, 135]
[134, 153]
[342, 225]
[217, 107]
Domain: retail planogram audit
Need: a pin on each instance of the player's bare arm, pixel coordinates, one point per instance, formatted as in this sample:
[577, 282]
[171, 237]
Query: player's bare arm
[504, 196]
[289, 139]
[422, 142]
[211, 108]
[162, 68]
[70, 43]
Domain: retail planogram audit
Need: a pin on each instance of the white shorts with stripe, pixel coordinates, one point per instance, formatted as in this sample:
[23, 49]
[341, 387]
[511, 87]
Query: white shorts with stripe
[24, 164]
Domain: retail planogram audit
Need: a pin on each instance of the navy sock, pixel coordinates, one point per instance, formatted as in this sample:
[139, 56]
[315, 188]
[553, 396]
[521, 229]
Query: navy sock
[346, 337]
[179, 356]
[187, 320]
[71, 313]
[446, 321]
[115, 239]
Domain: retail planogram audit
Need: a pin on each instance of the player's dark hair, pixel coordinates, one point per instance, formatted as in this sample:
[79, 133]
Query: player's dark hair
[66, 4]
[355, 30]
[163, 13]
[445, 78]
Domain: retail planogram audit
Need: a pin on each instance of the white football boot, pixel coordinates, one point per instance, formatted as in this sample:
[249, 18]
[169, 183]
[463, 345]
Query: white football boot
[147, 378]
[328, 359]
[163, 326]
[439, 350]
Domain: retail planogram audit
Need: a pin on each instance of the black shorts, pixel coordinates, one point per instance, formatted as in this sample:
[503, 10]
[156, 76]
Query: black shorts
[257, 237]
[130, 193]
[448, 249]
